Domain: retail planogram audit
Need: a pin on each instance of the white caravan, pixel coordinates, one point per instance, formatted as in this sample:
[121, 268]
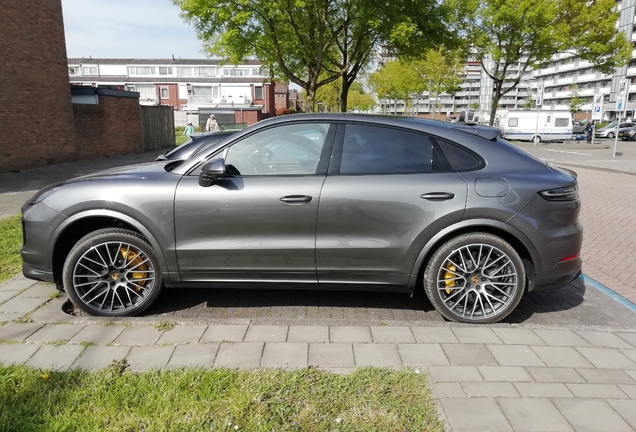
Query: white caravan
[523, 125]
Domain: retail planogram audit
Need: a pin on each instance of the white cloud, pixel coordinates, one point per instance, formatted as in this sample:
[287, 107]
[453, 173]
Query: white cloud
[127, 29]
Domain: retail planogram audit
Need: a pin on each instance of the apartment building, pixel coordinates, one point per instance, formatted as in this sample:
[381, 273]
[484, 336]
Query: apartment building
[566, 76]
[185, 84]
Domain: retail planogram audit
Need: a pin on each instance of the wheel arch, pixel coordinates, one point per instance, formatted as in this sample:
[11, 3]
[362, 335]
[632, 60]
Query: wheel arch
[81, 224]
[513, 236]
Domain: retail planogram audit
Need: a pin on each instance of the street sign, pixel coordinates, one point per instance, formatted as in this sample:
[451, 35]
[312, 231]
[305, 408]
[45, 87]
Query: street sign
[539, 98]
[597, 112]
[621, 97]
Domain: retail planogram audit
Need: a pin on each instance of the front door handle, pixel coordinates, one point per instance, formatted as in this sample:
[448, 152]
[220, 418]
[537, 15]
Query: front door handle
[438, 196]
[296, 199]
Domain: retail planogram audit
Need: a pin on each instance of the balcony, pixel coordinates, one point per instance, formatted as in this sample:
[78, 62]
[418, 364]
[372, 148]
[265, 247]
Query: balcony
[588, 77]
[568, 80]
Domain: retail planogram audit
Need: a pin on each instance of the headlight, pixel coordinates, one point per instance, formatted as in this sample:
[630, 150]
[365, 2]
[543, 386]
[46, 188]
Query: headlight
[44, 193]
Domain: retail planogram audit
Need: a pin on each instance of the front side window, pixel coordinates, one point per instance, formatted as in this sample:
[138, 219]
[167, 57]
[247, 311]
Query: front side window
[378, 150]
[284, 150]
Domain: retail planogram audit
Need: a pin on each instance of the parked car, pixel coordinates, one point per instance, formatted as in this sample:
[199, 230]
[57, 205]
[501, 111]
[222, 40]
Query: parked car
[193, 145]
[628, 133]
[610, 130]
[327, 201]
[578, 127]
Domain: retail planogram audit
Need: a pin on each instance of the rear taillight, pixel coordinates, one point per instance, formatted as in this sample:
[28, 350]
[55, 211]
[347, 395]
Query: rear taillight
[570, 193]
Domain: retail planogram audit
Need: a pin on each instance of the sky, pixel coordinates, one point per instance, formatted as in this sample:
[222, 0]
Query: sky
[127, 29]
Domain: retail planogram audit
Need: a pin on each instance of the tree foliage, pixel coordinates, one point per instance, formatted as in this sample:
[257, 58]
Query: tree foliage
[311, 42]
[505, 33]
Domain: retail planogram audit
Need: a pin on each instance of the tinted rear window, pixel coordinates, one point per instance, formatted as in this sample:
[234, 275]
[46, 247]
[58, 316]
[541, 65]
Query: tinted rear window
[459, 158]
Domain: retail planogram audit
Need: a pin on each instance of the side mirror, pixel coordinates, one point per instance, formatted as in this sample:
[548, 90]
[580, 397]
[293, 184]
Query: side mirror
[211, 171]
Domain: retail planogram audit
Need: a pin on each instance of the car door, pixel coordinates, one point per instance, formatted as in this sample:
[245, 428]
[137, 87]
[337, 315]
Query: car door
[385, 196]
[258, 223]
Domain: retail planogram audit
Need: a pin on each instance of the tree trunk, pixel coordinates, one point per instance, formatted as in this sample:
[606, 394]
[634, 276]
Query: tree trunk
[311, 100]
[434, 104]
[344, 93]
[496, 96]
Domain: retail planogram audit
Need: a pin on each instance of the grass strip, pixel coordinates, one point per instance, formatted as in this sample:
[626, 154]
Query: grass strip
[307, 400]
[10, 244]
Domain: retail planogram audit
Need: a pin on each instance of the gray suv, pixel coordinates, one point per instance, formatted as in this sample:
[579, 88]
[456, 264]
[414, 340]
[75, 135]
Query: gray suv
[327, 201]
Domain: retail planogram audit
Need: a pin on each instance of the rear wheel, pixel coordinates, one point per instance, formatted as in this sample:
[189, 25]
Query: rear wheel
[475, 278]
[610, 135]
[112, 272]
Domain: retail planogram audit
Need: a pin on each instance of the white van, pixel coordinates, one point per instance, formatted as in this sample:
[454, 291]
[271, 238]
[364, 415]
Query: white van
[522, 125]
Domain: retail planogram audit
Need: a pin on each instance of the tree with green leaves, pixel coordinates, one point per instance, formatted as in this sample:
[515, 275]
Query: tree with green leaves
[474, 105]
[396, 80]
[510, 37]
[308, 42]
[529, 104]
[576, 102]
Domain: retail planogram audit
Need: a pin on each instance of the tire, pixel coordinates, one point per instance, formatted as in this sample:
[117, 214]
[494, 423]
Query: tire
[112, 272]
[536, 139]
[462, 293]
[610, 135]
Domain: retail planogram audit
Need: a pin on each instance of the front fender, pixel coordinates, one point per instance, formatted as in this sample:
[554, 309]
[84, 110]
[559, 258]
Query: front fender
[472, 225]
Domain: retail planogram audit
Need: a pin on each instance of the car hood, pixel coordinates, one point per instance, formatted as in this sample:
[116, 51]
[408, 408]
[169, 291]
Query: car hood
[138, 171]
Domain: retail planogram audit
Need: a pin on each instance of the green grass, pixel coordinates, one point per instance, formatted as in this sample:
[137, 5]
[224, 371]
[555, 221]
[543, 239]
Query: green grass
[165, 325]
[215, 400]
[181, 139]
[10, 243]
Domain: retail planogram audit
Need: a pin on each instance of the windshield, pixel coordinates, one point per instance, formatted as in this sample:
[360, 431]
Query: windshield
[611, 125]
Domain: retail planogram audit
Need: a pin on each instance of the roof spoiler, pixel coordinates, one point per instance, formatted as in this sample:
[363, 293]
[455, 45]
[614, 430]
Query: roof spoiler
[488, 132]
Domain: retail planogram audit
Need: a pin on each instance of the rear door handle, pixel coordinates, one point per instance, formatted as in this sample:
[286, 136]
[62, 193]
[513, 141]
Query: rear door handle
[296, 199]
[438, 196]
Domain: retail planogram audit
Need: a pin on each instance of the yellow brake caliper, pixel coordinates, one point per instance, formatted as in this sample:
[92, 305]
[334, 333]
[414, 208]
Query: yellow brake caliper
[449, 277]
[135, 261]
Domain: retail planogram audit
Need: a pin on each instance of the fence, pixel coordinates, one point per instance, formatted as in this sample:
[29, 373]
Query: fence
[157, 127]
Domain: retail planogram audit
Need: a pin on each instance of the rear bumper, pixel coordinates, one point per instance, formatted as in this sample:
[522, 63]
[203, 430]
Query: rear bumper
[40, 275]
[561, 275]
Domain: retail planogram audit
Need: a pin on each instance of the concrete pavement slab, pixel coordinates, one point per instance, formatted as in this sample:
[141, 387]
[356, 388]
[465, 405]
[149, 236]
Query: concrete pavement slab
[517, 336]
[606, 376]
[515, 355]
[627, 410]
[591, 415]
[474, 415]
[227, 332]
[16, 354]
[18, 283]
[448, 390]
[631, 354]
[333, 355]
[7, 295]
[533, 415]
[562, 338]
[561, 357]
[266, 333]
[290, 355]
[469, 355]
[597, 391]
[630, 338]
[138, 335]
[40, 290]
[193, 356]
[603, 339]
[18, 331]
[555, 375]
[55, 332]
[504, 373]
[182, 334]
[543, 390]
[434, 335]
[302, 333]
[629, 390]
[99, 357]
[239, 355]
[7, 317]
[454, 373]
[146, 358]
[607, 358]
[489, 389]
[476, 335]
[21, 305]
[98, 334]
[389, 334]
[429, 354]
[377, 355]
[55, 357]
[349, 334]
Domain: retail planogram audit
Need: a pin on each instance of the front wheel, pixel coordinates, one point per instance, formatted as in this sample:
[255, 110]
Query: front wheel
[610, 135]
[112, 272]
[475, 278]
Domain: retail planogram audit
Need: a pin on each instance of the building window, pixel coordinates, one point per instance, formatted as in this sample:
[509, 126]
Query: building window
[165, 93]
[138, 70]
[73, 70]
[258, 92]
[130, 87]
[89, 70]
[205, 93]
[165, 71]
[207, 71]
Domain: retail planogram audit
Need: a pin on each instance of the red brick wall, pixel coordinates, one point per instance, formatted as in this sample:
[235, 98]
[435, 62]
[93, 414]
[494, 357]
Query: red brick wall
[173, 95]
[250, 117]
[113, 127]
[36, 118]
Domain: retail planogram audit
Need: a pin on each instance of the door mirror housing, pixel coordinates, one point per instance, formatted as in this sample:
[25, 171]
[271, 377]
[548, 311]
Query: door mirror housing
[211, 171]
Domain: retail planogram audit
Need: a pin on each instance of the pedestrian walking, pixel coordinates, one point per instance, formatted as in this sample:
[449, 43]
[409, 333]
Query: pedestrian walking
[189, 129]
[212, 125]
[589, 130]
